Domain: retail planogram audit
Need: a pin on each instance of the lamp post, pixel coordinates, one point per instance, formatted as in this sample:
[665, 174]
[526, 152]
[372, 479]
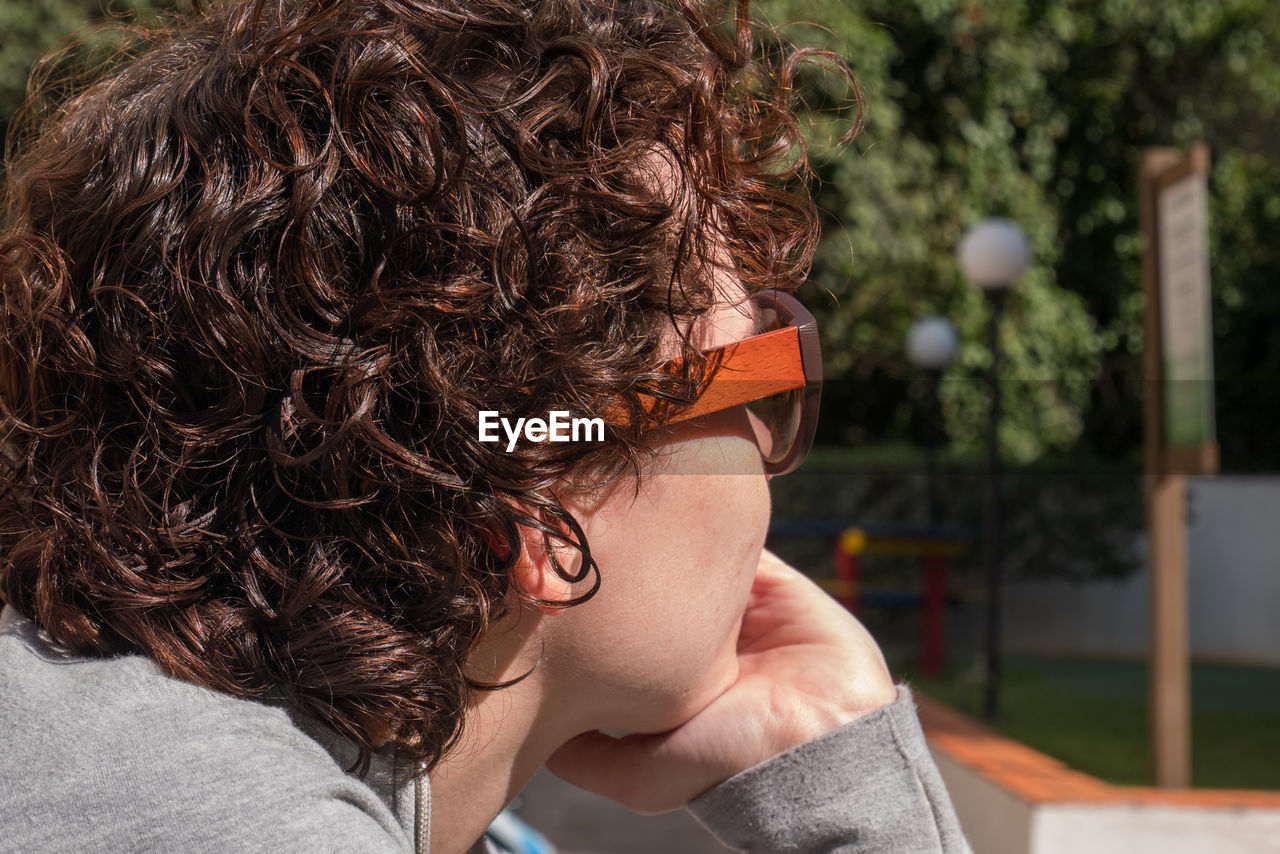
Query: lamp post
[931, 345]
[993, 254]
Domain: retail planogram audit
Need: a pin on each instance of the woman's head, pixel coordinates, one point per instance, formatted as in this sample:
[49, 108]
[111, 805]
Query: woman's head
[261, 278]
[677, 547]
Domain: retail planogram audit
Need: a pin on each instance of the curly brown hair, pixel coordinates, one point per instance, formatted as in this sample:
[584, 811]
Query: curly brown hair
[260, 276]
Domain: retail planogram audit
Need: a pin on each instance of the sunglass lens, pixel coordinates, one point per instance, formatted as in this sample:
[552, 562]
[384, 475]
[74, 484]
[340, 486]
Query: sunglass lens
[776, 421]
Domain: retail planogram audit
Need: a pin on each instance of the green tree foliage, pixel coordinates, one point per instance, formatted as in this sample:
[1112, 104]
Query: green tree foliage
[60, 29]
[1038, 111]
[27, 31]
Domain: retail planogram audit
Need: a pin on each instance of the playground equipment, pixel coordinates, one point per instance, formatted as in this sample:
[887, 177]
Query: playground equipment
[936, 547]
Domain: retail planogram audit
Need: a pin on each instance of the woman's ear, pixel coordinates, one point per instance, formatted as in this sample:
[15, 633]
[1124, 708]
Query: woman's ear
[535, 574]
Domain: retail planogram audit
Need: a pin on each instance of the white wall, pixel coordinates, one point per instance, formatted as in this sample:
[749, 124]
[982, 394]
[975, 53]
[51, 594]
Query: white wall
[1153, 829]
[993, 821]
[1234, 577]
[1234, 560]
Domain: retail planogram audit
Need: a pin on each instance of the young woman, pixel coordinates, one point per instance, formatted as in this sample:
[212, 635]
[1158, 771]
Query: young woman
[272, 584]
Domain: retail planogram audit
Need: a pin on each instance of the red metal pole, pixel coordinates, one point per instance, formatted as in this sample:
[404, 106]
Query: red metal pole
[848, 566]
[933, 617]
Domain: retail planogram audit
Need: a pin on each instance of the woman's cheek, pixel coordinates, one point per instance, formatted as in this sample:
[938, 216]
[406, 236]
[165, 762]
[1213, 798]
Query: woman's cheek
[721, 668]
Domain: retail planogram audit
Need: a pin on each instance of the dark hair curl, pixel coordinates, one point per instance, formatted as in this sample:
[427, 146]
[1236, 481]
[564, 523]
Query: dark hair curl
[260, 276]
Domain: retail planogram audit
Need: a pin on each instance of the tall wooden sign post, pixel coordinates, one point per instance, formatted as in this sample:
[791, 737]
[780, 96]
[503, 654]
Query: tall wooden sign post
[1178, 425]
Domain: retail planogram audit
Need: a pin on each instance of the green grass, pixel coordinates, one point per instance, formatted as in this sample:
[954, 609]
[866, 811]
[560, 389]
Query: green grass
[1092, 715]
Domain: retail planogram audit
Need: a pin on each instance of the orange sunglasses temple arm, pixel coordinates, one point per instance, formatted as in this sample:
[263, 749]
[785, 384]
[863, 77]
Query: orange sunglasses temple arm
[746, 370]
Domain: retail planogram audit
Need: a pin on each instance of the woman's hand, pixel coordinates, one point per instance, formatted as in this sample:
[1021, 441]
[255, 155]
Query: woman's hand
[806, 667]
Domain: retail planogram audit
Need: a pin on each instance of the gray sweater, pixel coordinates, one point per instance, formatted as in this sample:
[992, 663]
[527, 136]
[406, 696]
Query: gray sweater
[112, 755]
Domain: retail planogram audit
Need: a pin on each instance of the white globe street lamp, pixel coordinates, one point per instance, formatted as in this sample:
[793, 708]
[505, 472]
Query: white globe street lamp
[993, 254]
[932, 343]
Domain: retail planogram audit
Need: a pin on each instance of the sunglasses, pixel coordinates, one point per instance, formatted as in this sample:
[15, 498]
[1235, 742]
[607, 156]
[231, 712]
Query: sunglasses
[775, 374]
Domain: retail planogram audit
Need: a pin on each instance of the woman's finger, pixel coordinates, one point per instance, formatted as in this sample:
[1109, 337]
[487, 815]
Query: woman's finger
[631, 771]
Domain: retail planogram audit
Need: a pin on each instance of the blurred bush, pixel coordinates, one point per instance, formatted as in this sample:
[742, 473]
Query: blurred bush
[1038, 111]
[1074, 518]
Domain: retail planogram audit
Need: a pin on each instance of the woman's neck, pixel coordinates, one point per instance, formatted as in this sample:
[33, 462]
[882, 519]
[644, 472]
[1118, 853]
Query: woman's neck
[507, 736]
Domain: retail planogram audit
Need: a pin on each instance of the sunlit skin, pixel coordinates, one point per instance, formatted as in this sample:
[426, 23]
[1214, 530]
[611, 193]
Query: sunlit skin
[710, 651]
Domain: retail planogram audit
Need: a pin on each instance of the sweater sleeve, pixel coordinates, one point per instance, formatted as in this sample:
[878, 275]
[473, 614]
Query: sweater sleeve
[869, 786]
